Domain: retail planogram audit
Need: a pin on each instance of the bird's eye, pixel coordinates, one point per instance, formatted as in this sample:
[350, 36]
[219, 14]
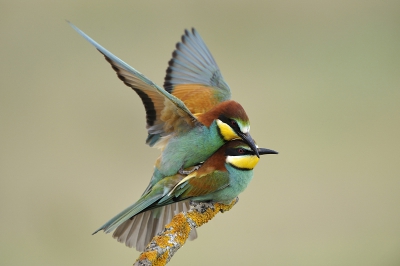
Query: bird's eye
[233, 123]
[241, 151]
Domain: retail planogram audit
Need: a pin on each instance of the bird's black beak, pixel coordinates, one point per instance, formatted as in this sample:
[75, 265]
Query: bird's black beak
[250, 141]
[262, 151]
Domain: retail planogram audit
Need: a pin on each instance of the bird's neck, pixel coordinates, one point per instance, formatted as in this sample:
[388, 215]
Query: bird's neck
[239, 179]
[215, 135]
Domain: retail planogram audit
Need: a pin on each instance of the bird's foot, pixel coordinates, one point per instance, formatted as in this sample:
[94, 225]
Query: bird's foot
[191, 170]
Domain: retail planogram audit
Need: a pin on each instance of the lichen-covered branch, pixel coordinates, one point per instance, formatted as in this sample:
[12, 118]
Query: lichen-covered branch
[164, 245]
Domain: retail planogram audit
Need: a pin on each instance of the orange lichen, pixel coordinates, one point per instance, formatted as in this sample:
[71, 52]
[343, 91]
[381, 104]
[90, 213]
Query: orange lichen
[161, 260]
[226, 207]
[201, 218]
[154, 258]
[149, 255]
[162, 241]
[180, 228]
[163, 246]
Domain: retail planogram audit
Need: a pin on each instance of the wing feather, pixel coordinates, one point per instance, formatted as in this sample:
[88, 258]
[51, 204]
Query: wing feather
[192, 63]
[198, 184]
[155, 99]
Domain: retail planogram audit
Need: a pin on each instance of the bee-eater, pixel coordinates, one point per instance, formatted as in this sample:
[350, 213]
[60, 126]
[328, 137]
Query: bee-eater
[192, 116]
[221, 178]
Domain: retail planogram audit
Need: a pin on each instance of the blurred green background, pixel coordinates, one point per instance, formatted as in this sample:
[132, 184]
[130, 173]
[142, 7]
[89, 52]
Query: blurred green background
[320, 81]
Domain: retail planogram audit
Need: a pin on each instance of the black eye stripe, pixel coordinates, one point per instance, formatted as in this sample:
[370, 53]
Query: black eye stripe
[238, 152]
[235, 125]
[231, 122]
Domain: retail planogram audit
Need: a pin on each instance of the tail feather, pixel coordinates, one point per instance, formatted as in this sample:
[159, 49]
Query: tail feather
[143, 230]
[133, 231]
[123, 230]
[160, 220]
[131, 211]
[148, 234]
[167, 214]
[138, 231]
[185, 208]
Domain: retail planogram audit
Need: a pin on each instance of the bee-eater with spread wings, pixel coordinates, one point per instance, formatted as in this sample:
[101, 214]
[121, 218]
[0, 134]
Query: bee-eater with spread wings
[192, 116]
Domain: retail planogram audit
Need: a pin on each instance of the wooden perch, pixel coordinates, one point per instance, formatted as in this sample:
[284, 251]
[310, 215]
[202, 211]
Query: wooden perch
[164, 245]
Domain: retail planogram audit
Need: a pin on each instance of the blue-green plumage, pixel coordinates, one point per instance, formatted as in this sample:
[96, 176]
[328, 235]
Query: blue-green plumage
[188, 149]
[219, 179]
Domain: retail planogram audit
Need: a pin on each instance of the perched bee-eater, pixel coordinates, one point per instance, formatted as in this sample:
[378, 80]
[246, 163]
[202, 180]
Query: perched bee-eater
[221, 178]
[191, 117]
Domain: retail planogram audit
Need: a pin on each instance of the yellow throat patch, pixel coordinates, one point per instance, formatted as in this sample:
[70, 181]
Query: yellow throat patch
[226, 131]
[247, 162]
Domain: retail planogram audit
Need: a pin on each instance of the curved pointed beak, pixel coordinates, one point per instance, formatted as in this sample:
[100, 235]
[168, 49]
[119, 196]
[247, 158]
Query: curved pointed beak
[262, 151]
[250, 141]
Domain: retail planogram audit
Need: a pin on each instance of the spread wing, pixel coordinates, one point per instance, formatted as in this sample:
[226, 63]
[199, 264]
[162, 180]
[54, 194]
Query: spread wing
[165, 113]
[193, 75]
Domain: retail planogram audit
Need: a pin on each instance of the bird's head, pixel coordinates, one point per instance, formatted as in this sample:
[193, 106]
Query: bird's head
[233, 123]
[239, 155]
